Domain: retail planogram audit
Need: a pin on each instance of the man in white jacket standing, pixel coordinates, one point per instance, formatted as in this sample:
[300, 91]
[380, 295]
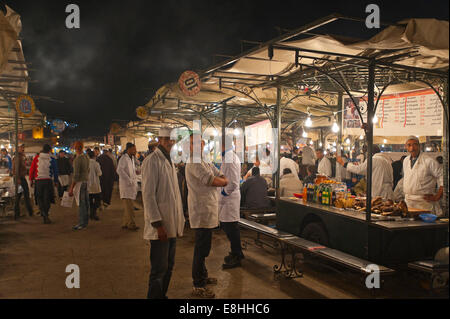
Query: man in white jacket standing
[163, 211]
[126, 170]
[202, 179]
[229, 203]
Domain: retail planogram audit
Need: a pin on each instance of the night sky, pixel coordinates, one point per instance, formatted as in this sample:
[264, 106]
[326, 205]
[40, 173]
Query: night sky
[125, 50]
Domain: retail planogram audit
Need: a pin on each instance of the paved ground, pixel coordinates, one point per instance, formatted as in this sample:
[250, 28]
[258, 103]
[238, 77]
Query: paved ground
[115, 264]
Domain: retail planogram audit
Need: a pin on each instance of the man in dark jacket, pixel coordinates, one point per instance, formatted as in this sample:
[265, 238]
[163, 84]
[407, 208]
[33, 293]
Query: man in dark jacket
[108, 177]
[254, 191]
[21, 161]
[64, 171]
[397, 167]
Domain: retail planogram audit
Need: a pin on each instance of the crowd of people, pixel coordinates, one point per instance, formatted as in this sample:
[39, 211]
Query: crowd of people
[208, 195]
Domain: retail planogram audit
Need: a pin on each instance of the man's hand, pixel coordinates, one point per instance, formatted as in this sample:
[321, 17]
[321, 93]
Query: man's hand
[32, 183]
[71, 192]
[162, 235]
[432, 198]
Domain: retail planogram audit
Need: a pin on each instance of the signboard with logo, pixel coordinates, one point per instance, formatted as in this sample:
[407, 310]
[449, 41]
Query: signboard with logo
[38, 133]
[58, 126]
[189, 83]
[25, 106]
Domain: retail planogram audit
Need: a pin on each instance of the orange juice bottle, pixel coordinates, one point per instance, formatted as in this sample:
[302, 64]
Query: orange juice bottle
[305, 194]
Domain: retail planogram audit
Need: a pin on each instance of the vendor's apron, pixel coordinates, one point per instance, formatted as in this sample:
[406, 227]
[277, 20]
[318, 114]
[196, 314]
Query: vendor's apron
[418, 202]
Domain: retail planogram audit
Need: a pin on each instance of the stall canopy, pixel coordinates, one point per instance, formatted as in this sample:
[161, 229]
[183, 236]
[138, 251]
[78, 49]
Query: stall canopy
[312, 70]
[14, 76]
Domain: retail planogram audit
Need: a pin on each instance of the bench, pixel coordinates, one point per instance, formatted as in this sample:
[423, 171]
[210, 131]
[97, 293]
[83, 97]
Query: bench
[292, 244]
[263, 218]
[434, 270]
[246, 212]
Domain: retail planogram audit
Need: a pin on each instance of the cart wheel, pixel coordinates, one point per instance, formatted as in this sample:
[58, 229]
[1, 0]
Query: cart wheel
[315, 232]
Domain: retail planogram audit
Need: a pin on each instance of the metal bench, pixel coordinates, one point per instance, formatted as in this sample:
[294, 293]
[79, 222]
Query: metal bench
[291, 245]
[434, 270]
[246, 212]
[263, 218]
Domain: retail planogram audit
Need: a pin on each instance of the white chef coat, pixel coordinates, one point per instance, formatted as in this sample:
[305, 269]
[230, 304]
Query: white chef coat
[289, 185]
[127, 177]
[421, 180]
[308, 156]
[203, 198]
[288, 163]
[325, 167]
[161, 197]
[229, 206]
[94, 173]
[382, 175]
[265, 166]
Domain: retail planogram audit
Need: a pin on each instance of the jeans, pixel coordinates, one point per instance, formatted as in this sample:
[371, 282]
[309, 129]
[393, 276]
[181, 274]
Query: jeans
[162, 259]
[233, 233]
[44, 194]
[203, 237]
[83, 209]
[26, 195]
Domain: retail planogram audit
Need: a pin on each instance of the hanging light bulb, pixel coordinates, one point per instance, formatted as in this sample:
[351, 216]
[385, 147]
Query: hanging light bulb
[375, 119]
[215, 133]
[304, 134]
[347, 141]
[335, 127]
[361, 137]
[311, 143]
[236, 132]
[320, 144]
[385, 141]
[308, 122]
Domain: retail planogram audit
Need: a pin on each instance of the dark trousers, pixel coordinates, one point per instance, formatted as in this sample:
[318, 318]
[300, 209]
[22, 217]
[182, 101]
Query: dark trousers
[203, 237]
[233, 233]
[26, 195]
[44, 194]
[61, 190]
[94, 203]
[162, 259]
[107, 189]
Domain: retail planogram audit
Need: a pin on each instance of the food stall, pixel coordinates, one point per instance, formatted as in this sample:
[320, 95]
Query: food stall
[305, 75]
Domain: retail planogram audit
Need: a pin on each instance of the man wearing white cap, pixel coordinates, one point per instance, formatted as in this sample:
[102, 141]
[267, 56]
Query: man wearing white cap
[420, 175]
[163, 211]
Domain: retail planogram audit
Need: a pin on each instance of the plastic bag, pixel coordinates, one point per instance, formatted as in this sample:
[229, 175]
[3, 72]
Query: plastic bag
[66, 200]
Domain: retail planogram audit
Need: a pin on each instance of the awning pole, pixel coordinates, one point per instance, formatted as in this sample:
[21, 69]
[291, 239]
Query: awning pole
[369, 137]
[445, 151]
[278, 144]
[339, 178]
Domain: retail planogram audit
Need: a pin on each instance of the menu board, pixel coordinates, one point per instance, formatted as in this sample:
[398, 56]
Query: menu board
[410, 113]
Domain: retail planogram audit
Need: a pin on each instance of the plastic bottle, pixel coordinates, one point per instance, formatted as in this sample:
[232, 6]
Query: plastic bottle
[305, 194]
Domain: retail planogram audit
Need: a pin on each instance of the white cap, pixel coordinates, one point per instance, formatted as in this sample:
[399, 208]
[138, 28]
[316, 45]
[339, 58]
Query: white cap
[412, 137]
[164, 132]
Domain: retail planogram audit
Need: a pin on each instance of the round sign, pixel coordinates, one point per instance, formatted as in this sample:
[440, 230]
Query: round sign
[58, 126]
[189, 83]
[25, 106]
[141, 112]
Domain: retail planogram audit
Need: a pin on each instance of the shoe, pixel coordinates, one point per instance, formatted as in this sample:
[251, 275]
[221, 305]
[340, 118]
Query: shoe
[233, 262]
[135, 208]
[78, 227]
[124, 227]
[135, 228]
[95, 218]
[47, 220]
[211, 281]
[229, 259]
[203, 292]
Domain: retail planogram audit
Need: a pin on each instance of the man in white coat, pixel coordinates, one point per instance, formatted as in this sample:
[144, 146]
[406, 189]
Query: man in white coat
[128, 186]
[286, 162]
[202, 179]
[324, 167]
[382, 174]
[230, 202]
[163, 212]
[421, 173]
[308, 156]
